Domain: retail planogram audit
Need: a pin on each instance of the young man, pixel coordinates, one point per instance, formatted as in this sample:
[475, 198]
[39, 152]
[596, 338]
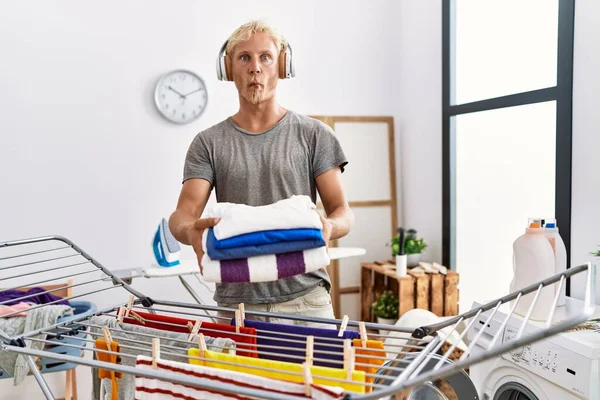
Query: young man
[263, 154]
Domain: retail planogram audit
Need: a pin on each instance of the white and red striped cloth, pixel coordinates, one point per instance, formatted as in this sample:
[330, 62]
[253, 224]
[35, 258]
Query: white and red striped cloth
[154, 389]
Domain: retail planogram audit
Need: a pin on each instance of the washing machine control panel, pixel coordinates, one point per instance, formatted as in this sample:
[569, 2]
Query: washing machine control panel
[554, 363]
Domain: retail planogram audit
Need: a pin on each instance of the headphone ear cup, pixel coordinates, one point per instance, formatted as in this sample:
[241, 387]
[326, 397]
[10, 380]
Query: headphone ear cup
[282, 64]
[228, 68]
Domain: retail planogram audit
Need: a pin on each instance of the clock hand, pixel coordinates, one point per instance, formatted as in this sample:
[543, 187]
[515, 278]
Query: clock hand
[170, 88]
[193, 91]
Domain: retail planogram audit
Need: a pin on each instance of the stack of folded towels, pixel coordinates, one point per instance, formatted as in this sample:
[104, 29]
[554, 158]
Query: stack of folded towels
[264, 243]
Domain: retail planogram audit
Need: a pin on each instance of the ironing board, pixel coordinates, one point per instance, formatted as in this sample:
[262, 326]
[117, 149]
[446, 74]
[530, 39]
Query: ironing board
[190, 267]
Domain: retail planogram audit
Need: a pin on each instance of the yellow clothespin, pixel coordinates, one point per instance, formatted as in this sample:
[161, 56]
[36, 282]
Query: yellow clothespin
[363, 333]
[201, 344]
[343, 326]
[107, 337]
[129, 305]
[155, 352]
[348, 359]
[194, 330]
[120, 314]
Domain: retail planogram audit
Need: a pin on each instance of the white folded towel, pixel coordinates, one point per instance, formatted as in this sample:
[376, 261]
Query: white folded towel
[237, 219]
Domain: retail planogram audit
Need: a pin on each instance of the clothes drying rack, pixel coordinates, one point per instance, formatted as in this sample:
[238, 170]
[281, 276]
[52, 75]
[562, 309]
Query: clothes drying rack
[421, 359]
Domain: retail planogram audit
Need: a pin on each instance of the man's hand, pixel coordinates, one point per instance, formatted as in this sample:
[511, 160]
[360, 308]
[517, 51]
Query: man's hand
[195, 236]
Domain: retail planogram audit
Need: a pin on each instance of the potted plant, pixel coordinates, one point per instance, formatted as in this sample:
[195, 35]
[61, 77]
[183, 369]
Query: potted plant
[597, 253]
[413, 247]
[385, 308]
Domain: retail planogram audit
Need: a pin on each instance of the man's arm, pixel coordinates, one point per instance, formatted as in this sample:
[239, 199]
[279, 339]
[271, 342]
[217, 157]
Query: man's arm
[339, 215]
[185, 223]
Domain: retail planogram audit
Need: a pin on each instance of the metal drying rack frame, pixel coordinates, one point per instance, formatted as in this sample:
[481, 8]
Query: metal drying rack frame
[402, 368]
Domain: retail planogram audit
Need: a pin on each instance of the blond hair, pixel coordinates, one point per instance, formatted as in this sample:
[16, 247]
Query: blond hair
[244, 32]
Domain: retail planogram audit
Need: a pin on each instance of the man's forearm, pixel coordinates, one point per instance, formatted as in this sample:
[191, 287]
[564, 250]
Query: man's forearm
[342, 220]
[180, 224]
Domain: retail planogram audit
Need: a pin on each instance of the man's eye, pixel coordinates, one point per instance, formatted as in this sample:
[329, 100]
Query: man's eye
[266, 58]
[244, 57]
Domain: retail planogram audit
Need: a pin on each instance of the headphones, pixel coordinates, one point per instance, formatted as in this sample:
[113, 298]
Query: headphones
[286, 65]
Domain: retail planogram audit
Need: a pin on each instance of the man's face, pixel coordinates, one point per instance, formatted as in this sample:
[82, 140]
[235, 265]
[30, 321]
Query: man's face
[255, 69]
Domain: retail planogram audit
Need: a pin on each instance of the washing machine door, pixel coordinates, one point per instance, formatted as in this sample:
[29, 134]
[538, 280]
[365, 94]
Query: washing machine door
[514, 391]
[456, 386]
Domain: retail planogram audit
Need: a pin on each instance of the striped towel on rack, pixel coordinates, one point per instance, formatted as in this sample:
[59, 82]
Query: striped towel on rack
[265, 268]
[154, 389]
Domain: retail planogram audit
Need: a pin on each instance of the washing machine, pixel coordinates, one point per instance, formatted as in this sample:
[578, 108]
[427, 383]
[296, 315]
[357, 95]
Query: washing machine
[562, 367]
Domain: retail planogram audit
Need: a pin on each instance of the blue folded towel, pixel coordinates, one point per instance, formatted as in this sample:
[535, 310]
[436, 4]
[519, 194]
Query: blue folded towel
[247, 251]
[266, 237]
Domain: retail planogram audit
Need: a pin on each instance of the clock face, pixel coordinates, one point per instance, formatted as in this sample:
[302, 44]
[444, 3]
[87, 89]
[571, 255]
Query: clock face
[180, 96]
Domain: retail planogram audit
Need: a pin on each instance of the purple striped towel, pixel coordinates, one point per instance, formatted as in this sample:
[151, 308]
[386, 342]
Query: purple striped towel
[265, 268]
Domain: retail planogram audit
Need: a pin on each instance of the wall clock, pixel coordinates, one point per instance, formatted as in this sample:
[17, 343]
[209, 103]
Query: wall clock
[180, 96]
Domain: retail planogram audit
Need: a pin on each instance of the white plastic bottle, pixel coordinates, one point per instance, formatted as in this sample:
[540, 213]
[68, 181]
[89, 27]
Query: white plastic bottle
[533, 261]
[560, 255]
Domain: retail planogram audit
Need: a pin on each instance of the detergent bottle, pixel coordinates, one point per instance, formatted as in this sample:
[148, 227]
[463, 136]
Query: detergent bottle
[560, 255]
[533, 261]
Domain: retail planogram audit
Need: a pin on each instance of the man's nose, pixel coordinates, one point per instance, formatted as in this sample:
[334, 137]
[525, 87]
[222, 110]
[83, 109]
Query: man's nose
[255, 67]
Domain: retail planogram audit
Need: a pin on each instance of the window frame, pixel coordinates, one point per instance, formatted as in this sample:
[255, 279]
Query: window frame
[562, 93]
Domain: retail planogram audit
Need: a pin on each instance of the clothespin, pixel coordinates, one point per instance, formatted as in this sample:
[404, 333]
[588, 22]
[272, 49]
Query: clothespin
[363, 333]
[120, 314]
[155, 352]
[201, 344]
[137, 317]
[242, 313]
[107, 337]
[307, 380]
[343, 326]
[194, 330]
[129, 305]
[348, 359]
[310, 341]
[239, 317]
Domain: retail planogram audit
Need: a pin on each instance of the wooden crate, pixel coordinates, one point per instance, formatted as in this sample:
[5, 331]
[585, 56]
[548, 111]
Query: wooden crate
[437, 293]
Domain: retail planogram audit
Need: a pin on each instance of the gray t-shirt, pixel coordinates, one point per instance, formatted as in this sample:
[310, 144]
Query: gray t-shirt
[260, 169]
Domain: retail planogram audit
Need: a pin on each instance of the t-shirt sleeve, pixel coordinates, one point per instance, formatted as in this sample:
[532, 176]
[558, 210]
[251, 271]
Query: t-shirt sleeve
[327, 151]
[198, 161]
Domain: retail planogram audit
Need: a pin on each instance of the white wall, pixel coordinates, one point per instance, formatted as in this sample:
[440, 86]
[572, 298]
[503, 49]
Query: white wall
[84, 154]
[416, 42]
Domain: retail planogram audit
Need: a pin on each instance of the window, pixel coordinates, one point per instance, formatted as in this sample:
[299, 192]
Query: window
[507, 97]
